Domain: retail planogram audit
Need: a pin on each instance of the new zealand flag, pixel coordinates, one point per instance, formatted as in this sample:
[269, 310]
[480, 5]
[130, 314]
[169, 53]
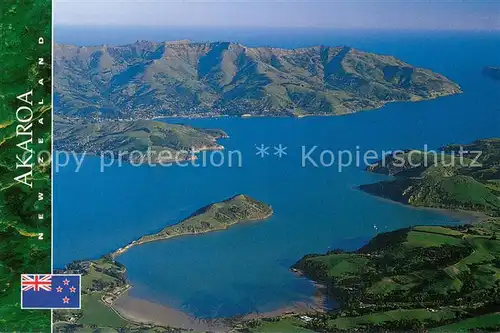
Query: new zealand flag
[50, 291]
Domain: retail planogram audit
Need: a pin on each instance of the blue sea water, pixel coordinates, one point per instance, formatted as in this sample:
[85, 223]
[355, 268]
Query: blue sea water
[246, 268]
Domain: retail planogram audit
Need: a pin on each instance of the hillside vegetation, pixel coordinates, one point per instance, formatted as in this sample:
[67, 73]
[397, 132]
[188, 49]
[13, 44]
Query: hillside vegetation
[440, 277]
[147, 79]
[423, 276]
[165, 142]
[446, 181]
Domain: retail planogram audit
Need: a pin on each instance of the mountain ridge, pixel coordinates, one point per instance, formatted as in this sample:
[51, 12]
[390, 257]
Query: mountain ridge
[148, 79]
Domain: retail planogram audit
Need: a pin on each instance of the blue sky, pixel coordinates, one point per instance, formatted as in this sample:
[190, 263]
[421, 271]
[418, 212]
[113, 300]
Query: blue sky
[367, 14]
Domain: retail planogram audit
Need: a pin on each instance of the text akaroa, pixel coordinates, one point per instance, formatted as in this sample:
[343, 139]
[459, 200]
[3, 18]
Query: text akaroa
[24, 131]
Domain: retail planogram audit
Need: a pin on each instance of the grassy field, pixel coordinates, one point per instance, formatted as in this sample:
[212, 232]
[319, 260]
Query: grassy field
[438, 230]
[416, 277]
[288, 325]
[430, 238]
[388, 285]
[96, 313]
[94, 275]
[379, 318]
[99, 279]
[343, 264]
[490, 322]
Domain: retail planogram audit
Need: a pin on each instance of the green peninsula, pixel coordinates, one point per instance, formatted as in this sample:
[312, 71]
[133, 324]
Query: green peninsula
[148, 79]
[413, 279]
[444, 180]
[216, 216]
[161, 141]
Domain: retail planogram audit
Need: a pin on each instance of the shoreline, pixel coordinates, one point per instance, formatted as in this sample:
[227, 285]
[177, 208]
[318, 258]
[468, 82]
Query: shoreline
[147, 312]
[202, 115]
[139, 310]
[474, 217]
[194, 157]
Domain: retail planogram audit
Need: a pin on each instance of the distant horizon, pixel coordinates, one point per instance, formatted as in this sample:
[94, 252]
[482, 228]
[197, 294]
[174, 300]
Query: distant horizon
[211, 27]
[331, 14]
[254, 37]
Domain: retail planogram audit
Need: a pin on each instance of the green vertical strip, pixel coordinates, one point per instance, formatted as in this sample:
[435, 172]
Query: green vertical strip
[25, 145]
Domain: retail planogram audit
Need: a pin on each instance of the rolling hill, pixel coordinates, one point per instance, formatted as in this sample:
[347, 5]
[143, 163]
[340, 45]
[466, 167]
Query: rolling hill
[161, 141]
[446, 180]
[413, 279]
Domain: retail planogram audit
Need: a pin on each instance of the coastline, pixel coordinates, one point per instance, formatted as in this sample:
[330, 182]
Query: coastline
[141, 241]
[194, 157]
[298, 116]
[138, 310]
[290, 114]
[146, 312]
[143, 311]
[237, 209]
[472, 217]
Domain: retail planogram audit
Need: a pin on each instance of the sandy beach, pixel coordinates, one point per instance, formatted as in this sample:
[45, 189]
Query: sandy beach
[143, 311]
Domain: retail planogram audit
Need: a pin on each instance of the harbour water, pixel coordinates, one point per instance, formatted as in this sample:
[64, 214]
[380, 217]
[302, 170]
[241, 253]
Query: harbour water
[246, 268]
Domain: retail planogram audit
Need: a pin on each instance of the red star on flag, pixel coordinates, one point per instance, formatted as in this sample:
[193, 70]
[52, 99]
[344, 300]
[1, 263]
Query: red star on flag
[72, 290]
[66, 282]
[59, 289]
[66, 300]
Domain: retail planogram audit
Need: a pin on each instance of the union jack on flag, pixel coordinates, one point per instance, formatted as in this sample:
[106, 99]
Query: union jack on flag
[36, 282]
[50, 291]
